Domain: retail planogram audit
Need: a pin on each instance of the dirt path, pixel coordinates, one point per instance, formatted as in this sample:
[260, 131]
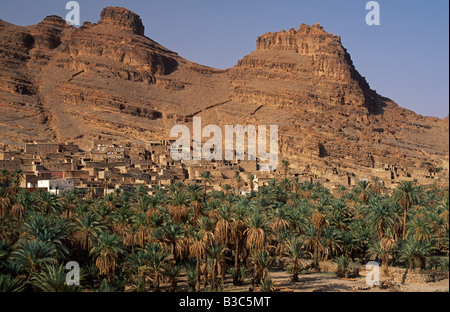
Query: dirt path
[328, 282]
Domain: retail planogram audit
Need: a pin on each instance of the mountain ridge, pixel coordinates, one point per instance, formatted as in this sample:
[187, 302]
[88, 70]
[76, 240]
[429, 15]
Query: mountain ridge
[67, 84]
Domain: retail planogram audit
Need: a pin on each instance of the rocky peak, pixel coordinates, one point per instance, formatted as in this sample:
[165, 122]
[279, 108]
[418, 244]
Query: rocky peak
[314, 59]
[307, 40]
[123, 19]
[47, 34]
[53, 20]
[52, 24]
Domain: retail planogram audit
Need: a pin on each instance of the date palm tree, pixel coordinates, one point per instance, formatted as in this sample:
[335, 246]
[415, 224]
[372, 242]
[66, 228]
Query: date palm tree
[420, 228]
[280, 220]
[106, 251]
[197, 248]
[295, 252]
[444, 211]
[158, 260]
[52, 279]
[215, 255]
[173, 233]
[239, 183]
[222, 231]
[196, 203]
[4, 177]
[406, 194]
[16, 180]
[227, 188]
[24, 202]
[190, 271]
[207, 179]
[349, 244]
[48, 229]
[415, 252]
[285, 165]
[362, 237]
[140, 232]
[141, 204]
[110, 201]
[331, 242]
[440, 222]
[70, 203]
[137, 267]
[177, 206]
[33, 255]
[306, 189]
[5, 203]
[340, 215]
[206, 228]
[11, 284]
[257, 225]
[49, 203]
[381, 217]
[319, 222]
[296, 186]
[387, 244]
[262, 261]
[173, 273]
[140, 191]
[121, 222]
[87, 229]
[151, 206]
[377, 186]
[363, 189]
[106, 184]
[238, 237]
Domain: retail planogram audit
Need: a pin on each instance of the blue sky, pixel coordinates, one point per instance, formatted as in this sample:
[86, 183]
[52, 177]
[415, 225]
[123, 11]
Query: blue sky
[406, 58]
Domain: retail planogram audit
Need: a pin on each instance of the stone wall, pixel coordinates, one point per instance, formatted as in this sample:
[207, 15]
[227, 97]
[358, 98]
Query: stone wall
[406, 276]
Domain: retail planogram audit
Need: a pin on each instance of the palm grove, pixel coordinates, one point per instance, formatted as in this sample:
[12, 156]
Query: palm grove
[185, 238]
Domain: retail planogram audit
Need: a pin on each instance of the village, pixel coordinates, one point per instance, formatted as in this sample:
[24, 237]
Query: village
[108, 166]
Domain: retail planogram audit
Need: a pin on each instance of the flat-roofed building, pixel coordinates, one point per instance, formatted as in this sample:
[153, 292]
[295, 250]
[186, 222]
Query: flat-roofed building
[56, 186]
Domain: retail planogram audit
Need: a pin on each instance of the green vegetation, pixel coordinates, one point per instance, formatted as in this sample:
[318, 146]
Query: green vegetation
[136, 242]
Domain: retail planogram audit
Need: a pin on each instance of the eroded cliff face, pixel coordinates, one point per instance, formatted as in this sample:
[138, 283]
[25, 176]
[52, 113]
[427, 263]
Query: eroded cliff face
[64, 83]
[68, 84]
[119, 38]
[122, 18]
[323, 53]
[305, 81]
[316, 61]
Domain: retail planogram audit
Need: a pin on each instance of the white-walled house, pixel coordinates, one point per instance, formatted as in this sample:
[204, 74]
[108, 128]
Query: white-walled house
[56, 186]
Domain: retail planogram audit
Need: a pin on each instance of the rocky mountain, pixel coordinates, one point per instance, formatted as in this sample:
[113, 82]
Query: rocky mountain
[67, 84]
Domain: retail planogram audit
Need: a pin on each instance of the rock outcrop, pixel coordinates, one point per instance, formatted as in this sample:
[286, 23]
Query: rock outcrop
[123, 19]
[310, 56]
[62, 83]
